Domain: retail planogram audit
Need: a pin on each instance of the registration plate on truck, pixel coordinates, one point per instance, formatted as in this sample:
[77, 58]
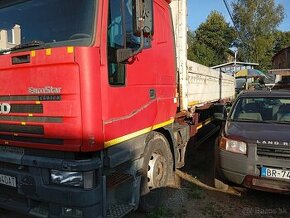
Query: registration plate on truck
[7, 180]
[275, 173]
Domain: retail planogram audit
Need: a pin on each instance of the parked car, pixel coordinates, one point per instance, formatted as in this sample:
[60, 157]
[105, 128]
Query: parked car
[254, 142]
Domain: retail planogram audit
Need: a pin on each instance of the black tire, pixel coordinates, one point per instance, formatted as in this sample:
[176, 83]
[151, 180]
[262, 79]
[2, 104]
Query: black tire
[157, 169]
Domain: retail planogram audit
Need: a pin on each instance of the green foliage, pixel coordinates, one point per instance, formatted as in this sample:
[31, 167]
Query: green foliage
[257, 38]
[202, 54]
[209, 44]
[196, 193]
[257, 22]
[282, 40]
[161, 212]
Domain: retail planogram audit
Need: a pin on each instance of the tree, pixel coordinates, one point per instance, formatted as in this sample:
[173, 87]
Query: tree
[199, 52]
[209, 44]
[256, 23]
[202, 54]
[282, 40]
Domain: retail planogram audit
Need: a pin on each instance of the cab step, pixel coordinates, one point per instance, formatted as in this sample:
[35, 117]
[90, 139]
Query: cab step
[40, 211]
[119, 210]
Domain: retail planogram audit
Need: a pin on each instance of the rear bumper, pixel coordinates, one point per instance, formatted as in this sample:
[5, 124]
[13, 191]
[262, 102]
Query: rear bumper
[245, 170]
[34, 195]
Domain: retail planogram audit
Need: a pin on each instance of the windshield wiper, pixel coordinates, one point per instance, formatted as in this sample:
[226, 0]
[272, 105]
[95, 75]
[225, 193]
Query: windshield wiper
[267, 121]
[257, 121]
[284, 122]
[242, 120]
[9, 3]
[31, 44]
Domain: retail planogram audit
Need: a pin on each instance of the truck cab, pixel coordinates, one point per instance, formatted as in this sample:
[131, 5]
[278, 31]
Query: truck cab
[83, 86]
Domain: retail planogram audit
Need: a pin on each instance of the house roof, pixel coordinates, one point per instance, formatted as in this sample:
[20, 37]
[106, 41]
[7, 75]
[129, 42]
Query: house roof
[281, 51]
[235, 63]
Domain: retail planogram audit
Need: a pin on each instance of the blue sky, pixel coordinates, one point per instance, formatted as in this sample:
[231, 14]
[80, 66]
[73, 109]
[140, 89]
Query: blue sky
[198, 10]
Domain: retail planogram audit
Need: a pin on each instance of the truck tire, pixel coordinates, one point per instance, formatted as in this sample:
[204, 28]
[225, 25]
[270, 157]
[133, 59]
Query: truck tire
[157, 169]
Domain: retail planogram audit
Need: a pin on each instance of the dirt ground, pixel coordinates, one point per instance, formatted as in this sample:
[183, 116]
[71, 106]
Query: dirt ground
[191, 201]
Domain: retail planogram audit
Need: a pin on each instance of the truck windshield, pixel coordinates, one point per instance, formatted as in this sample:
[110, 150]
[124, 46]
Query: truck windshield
[274, 110]
[53, 22]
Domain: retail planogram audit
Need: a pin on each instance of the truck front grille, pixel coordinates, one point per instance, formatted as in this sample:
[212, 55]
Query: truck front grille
[26, 108]
[27, 115]
[32, 119]
[51, 141]
[31, 98]
[282, 152]
[15, 128]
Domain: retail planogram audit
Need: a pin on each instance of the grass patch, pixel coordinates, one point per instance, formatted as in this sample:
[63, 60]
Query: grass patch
[161, 212]
[196, 193]
[211, 210]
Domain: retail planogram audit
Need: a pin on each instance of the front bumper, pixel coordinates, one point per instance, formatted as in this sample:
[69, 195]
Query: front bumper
[34, 195]
[245, 170]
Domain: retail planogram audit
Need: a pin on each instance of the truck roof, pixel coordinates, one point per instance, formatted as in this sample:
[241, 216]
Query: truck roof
[266, 93]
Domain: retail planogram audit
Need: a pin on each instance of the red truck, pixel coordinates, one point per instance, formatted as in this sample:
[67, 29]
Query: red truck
[95, 110]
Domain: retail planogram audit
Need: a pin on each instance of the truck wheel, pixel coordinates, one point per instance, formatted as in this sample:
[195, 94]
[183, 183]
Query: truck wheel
[157, 167]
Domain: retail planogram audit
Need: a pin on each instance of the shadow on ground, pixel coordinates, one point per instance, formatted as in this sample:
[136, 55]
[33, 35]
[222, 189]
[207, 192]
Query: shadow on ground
[189, 200]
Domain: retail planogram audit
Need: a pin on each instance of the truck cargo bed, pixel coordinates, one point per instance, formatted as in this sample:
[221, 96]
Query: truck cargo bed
[197, 84]
[207, 85]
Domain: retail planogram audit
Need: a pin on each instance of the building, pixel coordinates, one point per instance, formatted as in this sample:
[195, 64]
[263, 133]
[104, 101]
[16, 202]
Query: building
[281, 68]
[232, 67]
[7, 42]
[281, 60]
[281, 63]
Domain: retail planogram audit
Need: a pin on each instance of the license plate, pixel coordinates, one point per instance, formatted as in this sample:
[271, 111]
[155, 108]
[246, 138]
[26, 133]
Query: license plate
[275, 173]
[7, 180]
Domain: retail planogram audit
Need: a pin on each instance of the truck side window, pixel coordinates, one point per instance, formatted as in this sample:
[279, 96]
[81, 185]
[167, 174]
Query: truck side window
[115, 41]
[120, 35]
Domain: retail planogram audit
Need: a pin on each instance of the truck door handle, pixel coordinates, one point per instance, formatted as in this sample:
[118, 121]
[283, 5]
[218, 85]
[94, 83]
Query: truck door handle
[152, 93]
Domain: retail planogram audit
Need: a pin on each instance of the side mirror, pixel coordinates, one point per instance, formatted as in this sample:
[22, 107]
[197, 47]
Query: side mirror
[123, 54]
[143, 17]
[228, 108]
[220, 112]
[220, 116]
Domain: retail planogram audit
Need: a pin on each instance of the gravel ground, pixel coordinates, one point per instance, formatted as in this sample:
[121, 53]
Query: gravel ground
[190, 200]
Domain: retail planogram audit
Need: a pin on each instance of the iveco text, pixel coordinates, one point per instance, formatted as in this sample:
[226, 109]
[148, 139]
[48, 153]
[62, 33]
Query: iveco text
[5, 108]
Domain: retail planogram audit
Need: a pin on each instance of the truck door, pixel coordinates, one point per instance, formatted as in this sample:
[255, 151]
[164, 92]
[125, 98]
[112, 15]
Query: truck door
[129, 103]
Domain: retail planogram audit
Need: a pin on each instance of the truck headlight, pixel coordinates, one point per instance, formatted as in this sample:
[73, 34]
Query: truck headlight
[233, 145]
[75, 179]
